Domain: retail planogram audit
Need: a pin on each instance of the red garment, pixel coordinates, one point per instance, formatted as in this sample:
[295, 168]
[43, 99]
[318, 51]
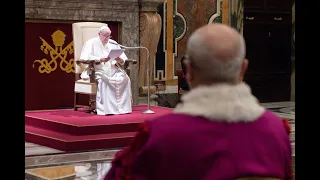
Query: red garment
[122, 163]
[288, 129]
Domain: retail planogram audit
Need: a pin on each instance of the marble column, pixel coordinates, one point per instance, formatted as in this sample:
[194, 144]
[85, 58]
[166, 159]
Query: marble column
[150, 29]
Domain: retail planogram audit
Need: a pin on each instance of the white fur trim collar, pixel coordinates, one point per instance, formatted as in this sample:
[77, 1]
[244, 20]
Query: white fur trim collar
[221, 102]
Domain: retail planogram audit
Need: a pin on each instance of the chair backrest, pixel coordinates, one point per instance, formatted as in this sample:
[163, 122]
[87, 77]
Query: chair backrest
[83, 31]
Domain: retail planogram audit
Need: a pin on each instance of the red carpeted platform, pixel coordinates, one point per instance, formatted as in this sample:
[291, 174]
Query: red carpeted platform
[70, 130]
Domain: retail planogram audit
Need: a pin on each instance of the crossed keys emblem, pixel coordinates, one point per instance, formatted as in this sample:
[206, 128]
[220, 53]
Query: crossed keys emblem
[48, 66]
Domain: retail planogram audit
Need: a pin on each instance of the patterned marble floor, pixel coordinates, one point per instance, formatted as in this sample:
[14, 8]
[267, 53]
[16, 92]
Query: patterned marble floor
[282, 109]
[73, 166]
[35, 149]
[92, 170]
[44, 163]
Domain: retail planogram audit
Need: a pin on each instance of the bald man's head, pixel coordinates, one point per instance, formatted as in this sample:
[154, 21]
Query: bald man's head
[216, 55]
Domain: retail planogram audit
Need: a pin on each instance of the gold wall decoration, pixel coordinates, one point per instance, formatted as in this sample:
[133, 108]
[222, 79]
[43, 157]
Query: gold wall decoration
[56, 52]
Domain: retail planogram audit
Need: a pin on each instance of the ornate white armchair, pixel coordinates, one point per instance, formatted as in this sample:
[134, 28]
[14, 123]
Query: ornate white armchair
[83, 31]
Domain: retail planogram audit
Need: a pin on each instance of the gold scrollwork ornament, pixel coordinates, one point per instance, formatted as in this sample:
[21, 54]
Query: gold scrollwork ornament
[46, 66]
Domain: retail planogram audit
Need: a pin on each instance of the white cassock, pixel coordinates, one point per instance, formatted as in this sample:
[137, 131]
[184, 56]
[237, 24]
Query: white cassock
[114, 86]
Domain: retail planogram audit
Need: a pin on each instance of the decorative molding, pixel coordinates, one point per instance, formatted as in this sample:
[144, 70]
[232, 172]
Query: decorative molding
[165, 28]
[170, 6]
[184, 29]
[217, 14]
[236, 14]
[176, 39]
[159, 74]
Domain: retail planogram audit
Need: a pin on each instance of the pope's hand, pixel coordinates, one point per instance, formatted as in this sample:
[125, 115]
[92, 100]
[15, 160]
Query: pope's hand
[119, 60]
[105, 59]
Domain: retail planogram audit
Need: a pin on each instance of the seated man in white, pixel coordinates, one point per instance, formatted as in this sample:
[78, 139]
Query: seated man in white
[114, 86]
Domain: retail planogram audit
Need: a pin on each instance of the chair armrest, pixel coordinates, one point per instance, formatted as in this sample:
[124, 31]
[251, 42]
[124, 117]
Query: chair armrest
[91, 68]
[133, 61]
[87, 62]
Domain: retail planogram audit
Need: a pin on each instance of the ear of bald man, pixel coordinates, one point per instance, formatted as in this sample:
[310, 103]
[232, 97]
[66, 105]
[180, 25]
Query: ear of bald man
[189, 72]
[244, 67]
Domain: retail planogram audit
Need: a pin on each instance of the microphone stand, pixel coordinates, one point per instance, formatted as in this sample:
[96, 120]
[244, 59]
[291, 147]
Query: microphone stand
[148, 111]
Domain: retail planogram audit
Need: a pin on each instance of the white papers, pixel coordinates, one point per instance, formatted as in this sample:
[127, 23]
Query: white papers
[114, 53]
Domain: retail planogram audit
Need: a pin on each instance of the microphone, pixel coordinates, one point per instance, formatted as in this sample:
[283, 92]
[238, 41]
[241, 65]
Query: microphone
[148, 111]
[114, 43]
[134, 47]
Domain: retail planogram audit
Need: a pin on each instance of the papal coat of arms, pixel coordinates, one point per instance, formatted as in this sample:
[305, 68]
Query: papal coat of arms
[56, 52]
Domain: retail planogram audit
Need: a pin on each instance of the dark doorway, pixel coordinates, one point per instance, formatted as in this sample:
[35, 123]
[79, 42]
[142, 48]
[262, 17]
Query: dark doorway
[267, 30]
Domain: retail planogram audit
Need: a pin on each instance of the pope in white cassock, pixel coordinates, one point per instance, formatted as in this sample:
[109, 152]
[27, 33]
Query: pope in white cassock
[114, 86]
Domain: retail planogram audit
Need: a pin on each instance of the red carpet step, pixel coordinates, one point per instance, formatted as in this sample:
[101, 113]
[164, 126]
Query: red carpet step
[70, 130]
[67, 142]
